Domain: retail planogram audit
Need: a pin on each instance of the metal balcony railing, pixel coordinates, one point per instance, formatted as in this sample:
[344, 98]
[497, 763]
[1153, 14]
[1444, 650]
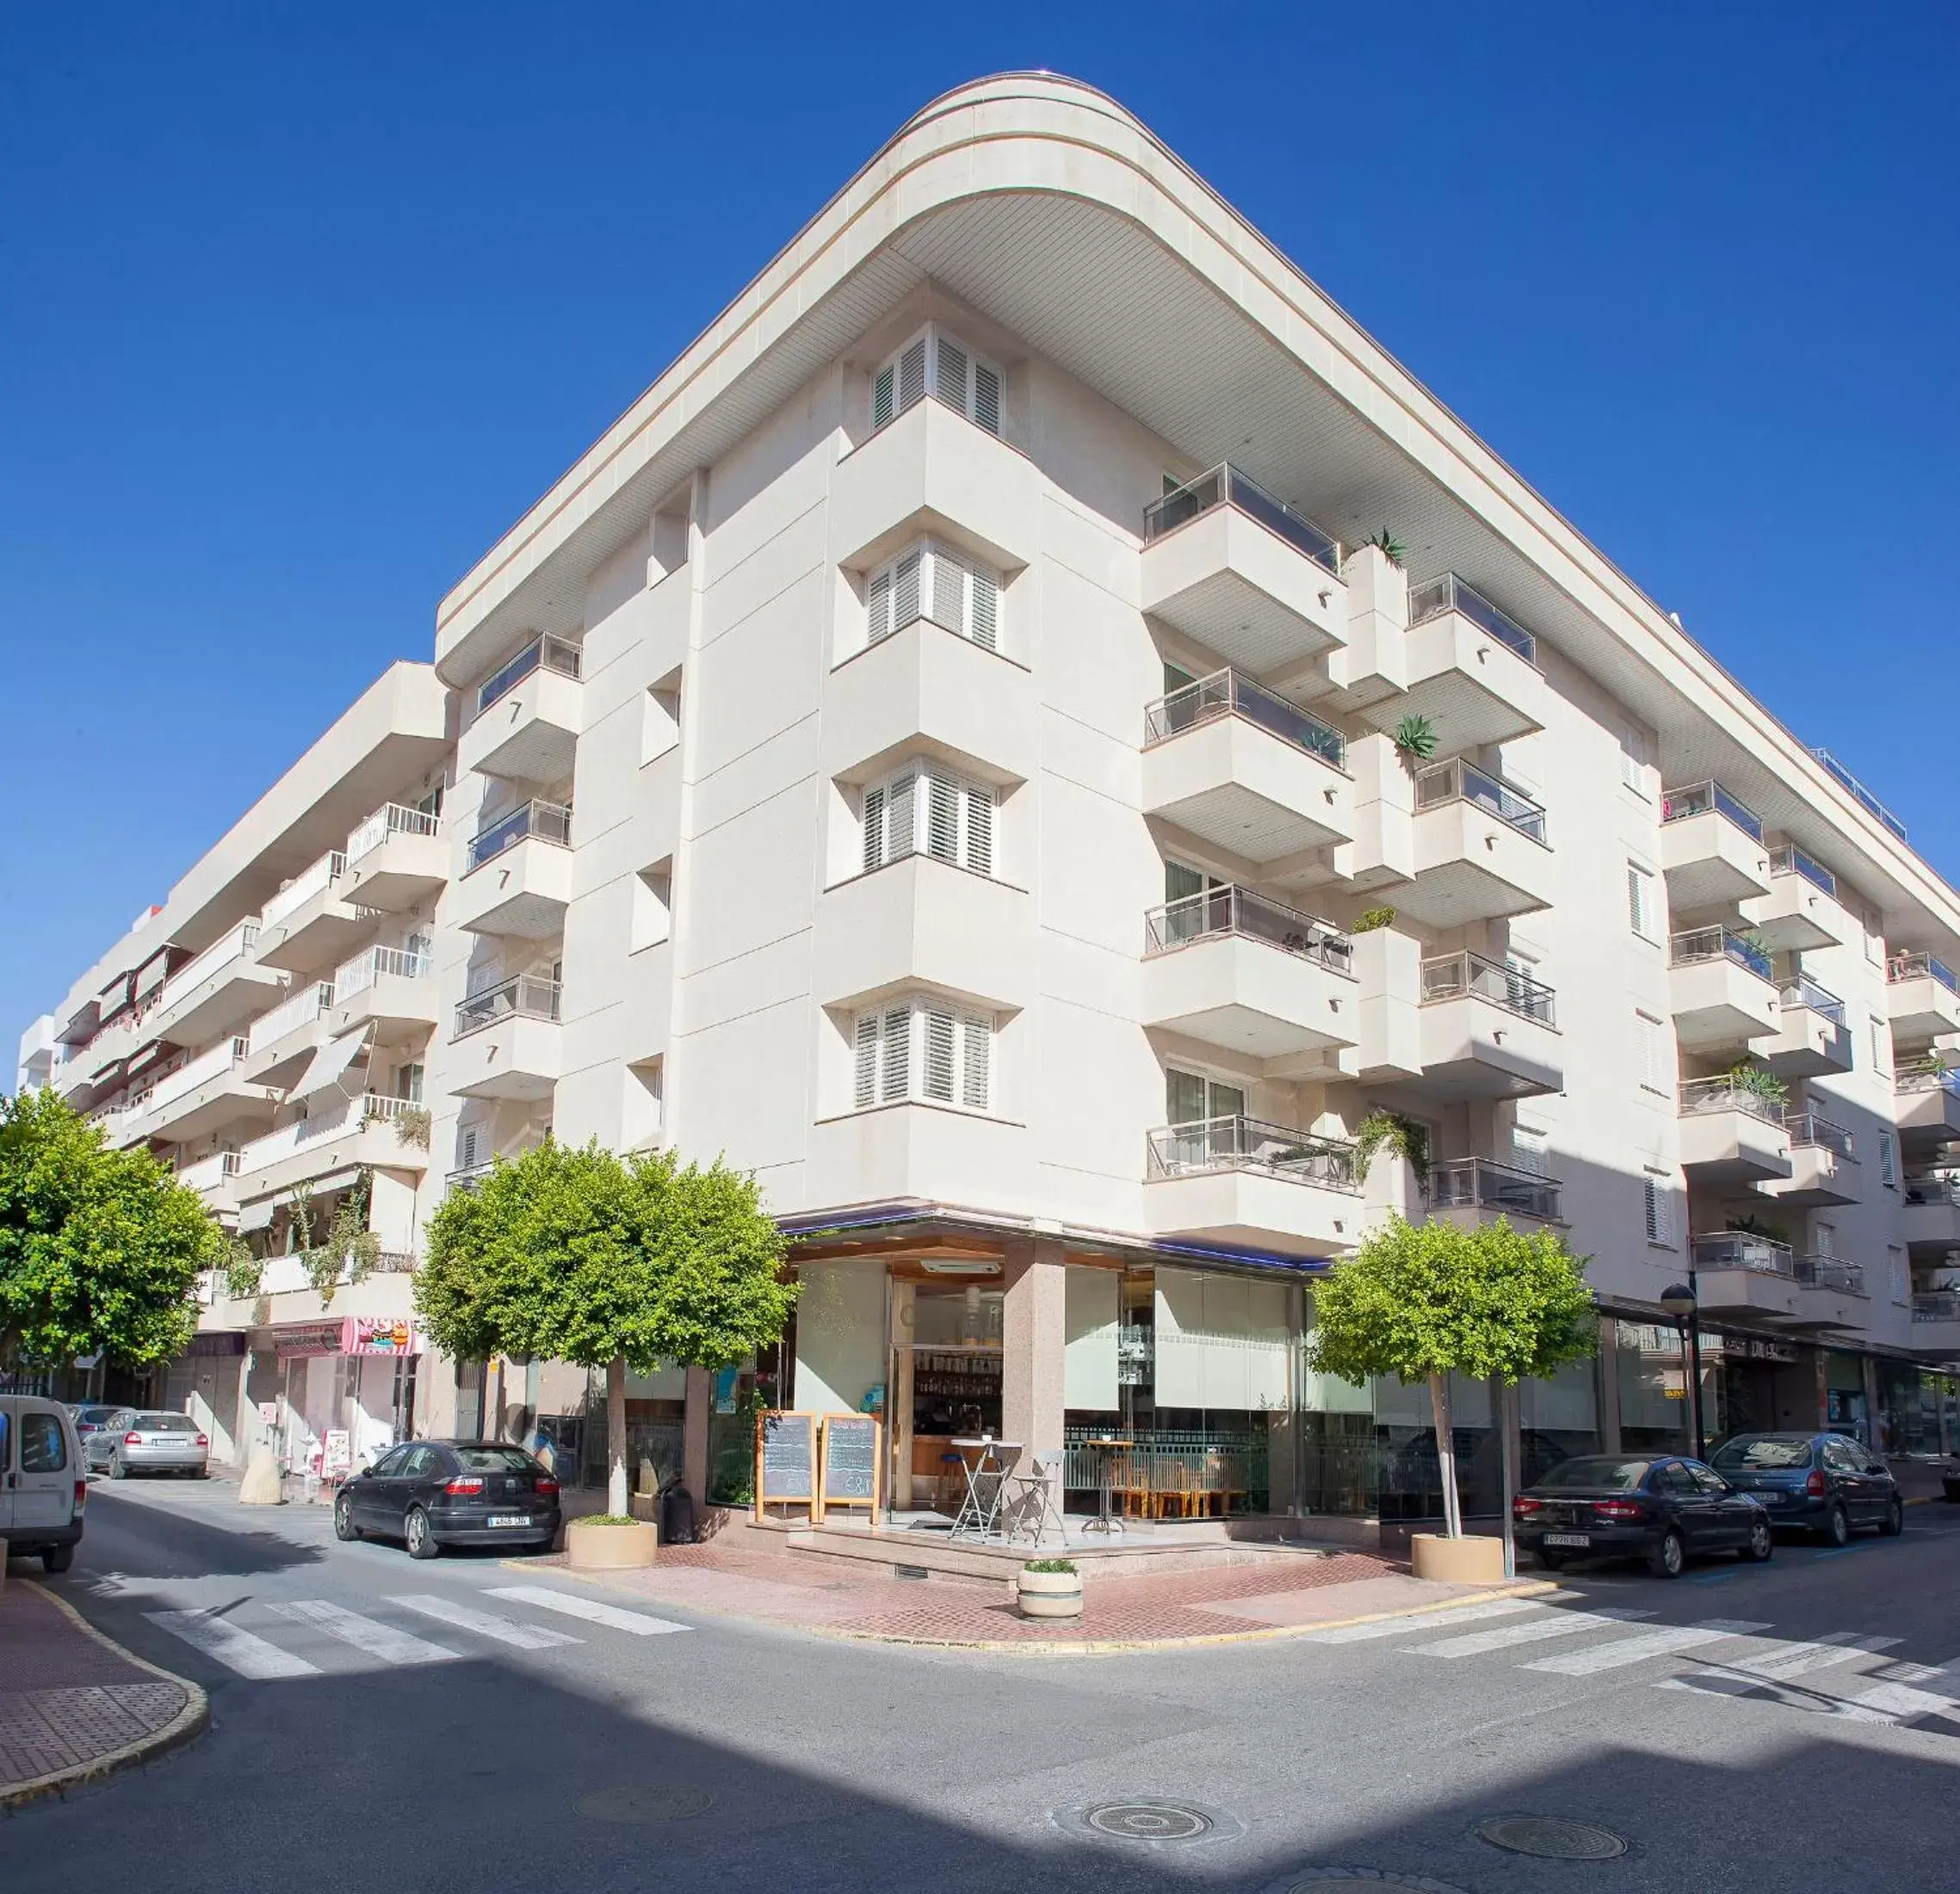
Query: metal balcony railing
[527, 997]
[301, 1010]
[206, 1065]
[1481, 1183]
[372, 964]
[1240, 1143]
[1806, 1128]
[208, 1173]
[1709, 798]
[1219, 912]
[1904, 967]
[1450, 593]
[1863, 796]
[1225, 485]
[1727, 1093]
[1789, 859]
[1458, 781]
[1830, 1272]
[1937, 1305]
[1228, 693]
[1456, 977]
[468, 1176]
[220, 953]
[395, 818]
[1804, 992]
[545, 821]
[1739, 1249]
[1703, 943]
[547, 653]
[302, 887]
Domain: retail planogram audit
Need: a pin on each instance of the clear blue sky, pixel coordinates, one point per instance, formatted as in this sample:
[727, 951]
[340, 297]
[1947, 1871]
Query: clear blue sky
[299, 307]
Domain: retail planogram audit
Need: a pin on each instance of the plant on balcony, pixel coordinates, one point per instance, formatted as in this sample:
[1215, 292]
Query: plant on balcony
[1401, 1137]
[624, 1264]
[244, 1272]
[411, 1127]
[100, 1249]
[1753, 941]
[1388, 545]
[1424, 1302]
[1415, 736]
[1758, 1081]
[1373, 920]
[349, 1251]
[1755, 1226]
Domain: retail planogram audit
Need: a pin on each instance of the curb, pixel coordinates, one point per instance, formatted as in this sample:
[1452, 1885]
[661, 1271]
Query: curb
[192, 1720]
[1078, 1647]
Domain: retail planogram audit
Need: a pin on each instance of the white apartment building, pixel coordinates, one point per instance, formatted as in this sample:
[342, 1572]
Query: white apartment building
[939, 750]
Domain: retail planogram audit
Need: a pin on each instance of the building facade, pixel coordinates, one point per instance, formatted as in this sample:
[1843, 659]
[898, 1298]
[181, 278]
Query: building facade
[1030, 736]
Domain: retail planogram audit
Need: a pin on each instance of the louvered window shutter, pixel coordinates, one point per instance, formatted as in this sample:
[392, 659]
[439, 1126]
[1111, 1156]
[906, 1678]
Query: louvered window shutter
[987, 397]
[951, 384]
[466, 1156]
[897, 1055]
[911, 376]
[980, 829]
[940, 1058]
[905, 590]
[873, 829]
[901, 833]
[980, 1051]
[942, 818]
[948, 591]
[985, 629]
[881, 397]
[866, 1090]
[878, 606]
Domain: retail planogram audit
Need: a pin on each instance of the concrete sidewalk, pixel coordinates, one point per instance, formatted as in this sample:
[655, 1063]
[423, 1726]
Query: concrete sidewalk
[74, 1705]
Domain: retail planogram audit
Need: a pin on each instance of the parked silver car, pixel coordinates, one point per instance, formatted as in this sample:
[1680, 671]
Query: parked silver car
[137, 1440]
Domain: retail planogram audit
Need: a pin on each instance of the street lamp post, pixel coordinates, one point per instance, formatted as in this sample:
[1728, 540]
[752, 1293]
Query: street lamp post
[1681, 1301]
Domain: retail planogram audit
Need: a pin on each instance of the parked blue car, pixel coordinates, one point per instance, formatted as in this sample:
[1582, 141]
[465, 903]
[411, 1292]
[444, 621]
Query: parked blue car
[1824, 1484]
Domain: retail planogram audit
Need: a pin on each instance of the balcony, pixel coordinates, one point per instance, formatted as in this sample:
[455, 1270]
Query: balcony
[215, 1179]
[217, 993]
[1232, 969]
[1488, 1031]
[1729, 1133]
[1831, 1293]
[524, 724]
[505, 1044]
[1930, 1213]
[1480, 851]
[1811, 1037]
[282, 1041]
[1925, 1102]
[204, 1095]
[1721, 986]
[396, 860]
[517, 880]
[310, 923]
[1922, 996]
[1236, 1182]
[1228, 564]
[1823, 1164]
[1863, 796]
[1241, 768]
[1712, 850]
[1801, 912]
[1740, 1274]
[390, 988]
[343, 1135]
[1935, 1324]
[1472, 669]
[1476, 1190]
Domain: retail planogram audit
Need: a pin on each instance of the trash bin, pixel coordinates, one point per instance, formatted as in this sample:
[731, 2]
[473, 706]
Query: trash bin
[677, 1517]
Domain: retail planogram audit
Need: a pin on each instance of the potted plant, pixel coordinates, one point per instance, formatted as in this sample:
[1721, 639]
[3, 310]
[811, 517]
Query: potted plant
[1373, 920]
[609, 1542]
[1415, 738]
[1049, 1588]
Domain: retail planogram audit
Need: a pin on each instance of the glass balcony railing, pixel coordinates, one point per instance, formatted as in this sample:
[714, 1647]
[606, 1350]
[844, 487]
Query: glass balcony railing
[1450, 593]
[1830, 1272]
[1700, 943]
[1789, 859]
[546, 653]
[1940, 1187]
[1227, 693]
[1480, 1183]
[1458, 781]
[1937, 1305]
[527, 997]
[1225, 485]
[1726, 1092]
[1219, 912]
[1806, 1129]
[547, 821]
[1925, 1076]
[1741, 1249]
[1456, 977]
[1709, 798]
[1863, 796]
[1904, 967]
[1804, 992]
[1240, 1143]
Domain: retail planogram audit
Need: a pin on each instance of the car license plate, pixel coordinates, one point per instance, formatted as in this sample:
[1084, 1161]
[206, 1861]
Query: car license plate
[1767, 1499]
[508, 1518]
[1568, 1539]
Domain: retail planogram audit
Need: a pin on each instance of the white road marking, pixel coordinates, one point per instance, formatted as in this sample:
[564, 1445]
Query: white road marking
[1558, 1625]
[505, 1630]
[639, 1622]
[1897, 1703]
[240, 1651]
[1777, 1660]
[1915, 1674]
[368, 1634]
[1665, 1643]
[1460, 1614]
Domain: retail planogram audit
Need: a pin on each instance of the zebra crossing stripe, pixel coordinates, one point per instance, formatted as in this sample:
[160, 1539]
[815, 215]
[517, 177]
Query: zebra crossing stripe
[1896, 1703]
[639, 1622]
[1654, 1643]
[505, 1631]
[1776, 1661]
[1460, 1614]
[239, 1650]
[1559, 1625]
[365, 1634]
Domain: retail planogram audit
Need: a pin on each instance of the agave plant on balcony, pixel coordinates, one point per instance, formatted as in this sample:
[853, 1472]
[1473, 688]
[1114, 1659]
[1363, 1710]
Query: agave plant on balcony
[1759, 1082]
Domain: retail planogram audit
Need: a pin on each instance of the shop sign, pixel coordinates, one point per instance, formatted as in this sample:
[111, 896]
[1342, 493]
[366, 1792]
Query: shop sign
[307, 1338]
[381, 1335]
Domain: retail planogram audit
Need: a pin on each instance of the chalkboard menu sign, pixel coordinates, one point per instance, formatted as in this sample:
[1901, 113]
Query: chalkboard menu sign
[786, 1460]
[850, 1460]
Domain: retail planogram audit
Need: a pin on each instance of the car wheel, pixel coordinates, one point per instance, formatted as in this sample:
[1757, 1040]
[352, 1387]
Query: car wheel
[1837, 1526]
[421, 1540]
[57, 1558]
[1669, 1559]
[117, 1470]
[1894, 1520]
[343, 1525]
[1761, 1542]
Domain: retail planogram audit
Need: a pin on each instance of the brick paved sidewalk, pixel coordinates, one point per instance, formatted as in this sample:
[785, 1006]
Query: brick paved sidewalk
[835, 1595]
[74, 1705]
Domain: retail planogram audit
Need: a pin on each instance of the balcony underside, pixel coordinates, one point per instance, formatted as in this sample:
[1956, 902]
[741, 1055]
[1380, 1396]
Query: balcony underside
[1710, 863]
[1717, 1003]
[1926, 1117]
[1826, 1311]
[1932, 1229]
[530, 735]
[1235, 786]
[1733, 1148]
[1746, 1293]
[222, 1004]
[1818, 1179]
[1260, 602]
[513, 1058]
[400, 874]
[1252, 1210]
[1921, 1008]
[1806, 1045]
[1250, 998]
[318, 935]
[1467, 684]
[1936, 1342]
[219, 1104]
[523, 892]
[1798, 916]
[1473, 1049]
[1470, 866]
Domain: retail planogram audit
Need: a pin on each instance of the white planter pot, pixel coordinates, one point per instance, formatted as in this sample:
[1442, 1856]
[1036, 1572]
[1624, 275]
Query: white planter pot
[608, 1547]
[1050, 1594]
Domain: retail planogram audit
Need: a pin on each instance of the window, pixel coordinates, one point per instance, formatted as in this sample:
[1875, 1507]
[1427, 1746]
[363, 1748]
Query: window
[1530, 1148]
[651, 917]
[660, 718]
[1652, 1046]
[934, 362]
[1887, 1161]
[1190, 1098]
[923, 1049]
[927, 811]
[1897, 1276]
[43, 1450]
[408, 1083]
[1881, 1046]
[1633, 759]
[928, 581]
[1824, 1239]
[1642, 914]
[466, 1148]
[1659, 1209]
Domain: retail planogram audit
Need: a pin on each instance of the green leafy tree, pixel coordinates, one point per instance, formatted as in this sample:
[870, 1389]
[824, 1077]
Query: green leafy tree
[579, 1255]
[1422, 1301]
[100, 1249]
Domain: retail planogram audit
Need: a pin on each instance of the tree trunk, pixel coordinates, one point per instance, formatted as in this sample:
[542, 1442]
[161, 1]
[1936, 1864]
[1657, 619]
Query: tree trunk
[1445, 1454]
[616, 1436]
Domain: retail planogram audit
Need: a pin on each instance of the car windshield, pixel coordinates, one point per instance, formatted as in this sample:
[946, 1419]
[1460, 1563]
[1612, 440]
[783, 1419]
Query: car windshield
[163, 1423]
[1763, 1453]
[94, 1416]
[1598, 1473]
[496, 1460]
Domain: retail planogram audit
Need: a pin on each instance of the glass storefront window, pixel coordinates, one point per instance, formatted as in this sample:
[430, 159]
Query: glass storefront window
[1653, 1388]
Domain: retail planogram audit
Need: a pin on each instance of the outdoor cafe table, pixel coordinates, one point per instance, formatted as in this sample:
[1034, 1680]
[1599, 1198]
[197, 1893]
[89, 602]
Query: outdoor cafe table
[986, 1461]
[1105, 1451]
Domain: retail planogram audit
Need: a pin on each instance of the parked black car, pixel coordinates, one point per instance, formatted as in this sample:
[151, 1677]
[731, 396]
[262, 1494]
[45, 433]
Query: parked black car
[430, 1493]
[1665, 1509]
[1825, 1483]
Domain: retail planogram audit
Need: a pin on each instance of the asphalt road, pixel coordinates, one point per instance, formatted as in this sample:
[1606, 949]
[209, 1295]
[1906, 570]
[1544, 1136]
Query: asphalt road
[377, 1723]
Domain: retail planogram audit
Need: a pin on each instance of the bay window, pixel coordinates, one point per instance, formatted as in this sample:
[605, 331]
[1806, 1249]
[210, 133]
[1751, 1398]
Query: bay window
[923, 1049]
[926, 810]
[934, 362]
[927, 580]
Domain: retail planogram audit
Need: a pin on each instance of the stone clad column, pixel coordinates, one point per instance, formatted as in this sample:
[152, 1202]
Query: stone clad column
[700, 1401]
[1034, 1337]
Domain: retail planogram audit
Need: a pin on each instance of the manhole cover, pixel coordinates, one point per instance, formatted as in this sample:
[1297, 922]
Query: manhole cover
[644, 1802]
[1369, 1877]
[1149, 1821]
[1551, 1836]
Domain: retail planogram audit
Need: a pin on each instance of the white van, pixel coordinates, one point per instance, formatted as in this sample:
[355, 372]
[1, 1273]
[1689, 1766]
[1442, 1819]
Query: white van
[43, 1484]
